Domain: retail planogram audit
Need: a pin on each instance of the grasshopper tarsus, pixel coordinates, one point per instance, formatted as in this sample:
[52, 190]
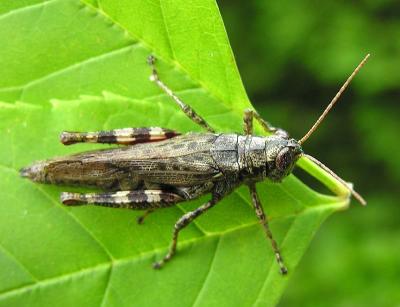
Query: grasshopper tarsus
[151, 60]
[157, 265]
[140, 219]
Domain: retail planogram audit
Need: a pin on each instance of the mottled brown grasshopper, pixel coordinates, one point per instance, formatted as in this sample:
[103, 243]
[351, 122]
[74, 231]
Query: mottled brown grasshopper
[161, 167]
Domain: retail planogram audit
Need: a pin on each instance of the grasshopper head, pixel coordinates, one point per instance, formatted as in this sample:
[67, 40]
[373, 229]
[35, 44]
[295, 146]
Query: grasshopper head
[281, 155]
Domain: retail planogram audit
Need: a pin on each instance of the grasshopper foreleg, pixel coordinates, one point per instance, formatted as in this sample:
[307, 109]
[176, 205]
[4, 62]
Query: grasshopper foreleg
[184, 107]
[264, 221]
[125, 136]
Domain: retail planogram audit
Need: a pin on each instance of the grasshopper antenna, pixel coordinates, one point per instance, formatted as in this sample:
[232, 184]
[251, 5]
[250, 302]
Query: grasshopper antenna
[318, 122]
[357, 196]
[333, 101]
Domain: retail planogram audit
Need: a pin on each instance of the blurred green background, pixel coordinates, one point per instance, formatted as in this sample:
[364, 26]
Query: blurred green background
[293, 56]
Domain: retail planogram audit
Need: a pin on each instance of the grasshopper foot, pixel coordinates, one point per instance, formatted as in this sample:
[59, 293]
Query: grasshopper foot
[151, 60]
[140, 219]
[158, 265]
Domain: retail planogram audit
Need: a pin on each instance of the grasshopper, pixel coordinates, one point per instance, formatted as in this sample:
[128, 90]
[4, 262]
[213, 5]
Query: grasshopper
[162, 167]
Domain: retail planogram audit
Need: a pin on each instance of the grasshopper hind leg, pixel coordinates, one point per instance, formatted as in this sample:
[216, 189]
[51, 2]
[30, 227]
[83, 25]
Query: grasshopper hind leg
[125, 136]
[138, 200]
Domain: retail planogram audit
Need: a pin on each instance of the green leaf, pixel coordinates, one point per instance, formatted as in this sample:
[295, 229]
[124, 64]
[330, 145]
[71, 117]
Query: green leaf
[72, 66]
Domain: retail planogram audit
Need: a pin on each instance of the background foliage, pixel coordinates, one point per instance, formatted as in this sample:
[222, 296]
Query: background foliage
[293, 56]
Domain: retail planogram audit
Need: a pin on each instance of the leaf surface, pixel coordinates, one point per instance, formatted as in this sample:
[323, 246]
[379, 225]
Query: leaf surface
[72, 65]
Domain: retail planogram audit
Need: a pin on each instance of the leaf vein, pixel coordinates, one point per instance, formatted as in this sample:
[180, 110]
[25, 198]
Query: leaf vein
[270, 270]
[74, 218]
[95, 239]
[24, 8]
[108, 285]
[11, 255]
[166, 31]
[73, 66]
[203, 287]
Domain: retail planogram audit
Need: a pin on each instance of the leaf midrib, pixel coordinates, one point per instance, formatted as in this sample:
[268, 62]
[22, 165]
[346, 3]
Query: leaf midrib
[172, 62]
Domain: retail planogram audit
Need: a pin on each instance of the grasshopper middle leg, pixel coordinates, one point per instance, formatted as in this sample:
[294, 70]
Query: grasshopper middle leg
[185, 220]
[248, 117]
[264, 221]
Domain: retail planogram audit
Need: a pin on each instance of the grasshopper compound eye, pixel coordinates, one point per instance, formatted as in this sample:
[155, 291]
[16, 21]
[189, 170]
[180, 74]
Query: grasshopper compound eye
[284, 159]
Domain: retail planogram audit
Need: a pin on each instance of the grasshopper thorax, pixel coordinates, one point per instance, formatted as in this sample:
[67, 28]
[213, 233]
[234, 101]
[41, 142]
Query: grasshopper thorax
[271, 157]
